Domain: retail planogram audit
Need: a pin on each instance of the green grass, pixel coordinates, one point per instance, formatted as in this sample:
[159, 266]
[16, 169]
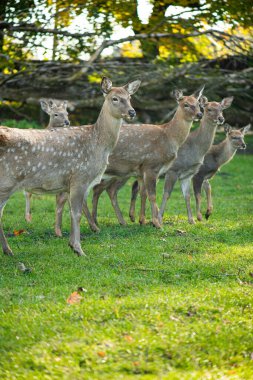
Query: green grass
[188, 316]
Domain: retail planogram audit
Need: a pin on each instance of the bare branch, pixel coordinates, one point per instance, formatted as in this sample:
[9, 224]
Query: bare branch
[33, 29]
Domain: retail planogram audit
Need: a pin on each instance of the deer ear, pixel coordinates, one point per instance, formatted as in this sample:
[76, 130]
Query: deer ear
[197, 94]
[203, 101]
[44, 105]
[132, 87]
[64, 104]
[227, 128]
[178, 94]
[226, 102]
[245, 129]
[106, 85]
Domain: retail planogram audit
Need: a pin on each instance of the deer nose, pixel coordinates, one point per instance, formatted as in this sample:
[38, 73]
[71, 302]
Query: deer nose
[67, 122]
[221, 119]
[199, 115]
[132, 113]
[243, 146]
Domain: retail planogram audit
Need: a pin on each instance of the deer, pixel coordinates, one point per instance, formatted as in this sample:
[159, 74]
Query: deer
[218, 155]
[191, 154]
[57, 110]
[146, 151]
[57, 160]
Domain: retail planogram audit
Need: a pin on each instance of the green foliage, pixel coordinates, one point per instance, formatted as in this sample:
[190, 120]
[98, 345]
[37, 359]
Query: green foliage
[22, 124]
[187, 316]
[101, 17]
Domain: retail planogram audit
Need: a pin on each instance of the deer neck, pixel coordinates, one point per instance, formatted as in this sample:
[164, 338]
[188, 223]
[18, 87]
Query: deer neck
[107, 128]
[50, 124]
[226, 151]
[205, 134]
[178, 128]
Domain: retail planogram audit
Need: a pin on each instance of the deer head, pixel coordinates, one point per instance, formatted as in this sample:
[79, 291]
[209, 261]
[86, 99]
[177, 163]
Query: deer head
[213, 110]
[189, 105]
[236, 136]
[57, 110]
[117, 99]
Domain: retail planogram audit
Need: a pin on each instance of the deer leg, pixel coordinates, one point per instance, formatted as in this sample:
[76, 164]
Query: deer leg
[89, 218]
[135, 191]
[28, 215]
[186, 190]
[169, 183]
[143, 195]
[112, 191]
[208, 191]
[150, 184]
[5, 246]
[76, 199]
[97, 191]
[197, 186]
[61, 199]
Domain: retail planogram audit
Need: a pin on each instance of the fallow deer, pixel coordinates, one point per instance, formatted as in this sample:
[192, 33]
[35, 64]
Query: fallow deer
[191, 154]
[59, 160]
[147, 151]
[218, 155]
[57, 110]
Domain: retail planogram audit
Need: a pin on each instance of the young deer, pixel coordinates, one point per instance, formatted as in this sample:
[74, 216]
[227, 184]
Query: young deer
[57, 110]
[217, 156]
[147, 151]
[191, 154]
[68, 160]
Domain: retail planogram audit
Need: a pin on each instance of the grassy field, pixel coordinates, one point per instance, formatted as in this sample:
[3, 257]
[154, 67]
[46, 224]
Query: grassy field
[142, 316]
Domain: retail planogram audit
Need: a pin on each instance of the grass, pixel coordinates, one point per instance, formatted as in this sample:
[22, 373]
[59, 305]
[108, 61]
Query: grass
[186, 316]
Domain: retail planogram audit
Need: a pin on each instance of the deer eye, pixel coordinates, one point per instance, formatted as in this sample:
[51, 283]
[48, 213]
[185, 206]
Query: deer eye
[56, 114]
[114, 99]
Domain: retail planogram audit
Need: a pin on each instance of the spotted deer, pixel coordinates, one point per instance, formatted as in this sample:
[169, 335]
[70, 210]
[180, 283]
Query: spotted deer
[57, 110]
[191, 154]
[217, 156]
[146, 151]
[59, 160]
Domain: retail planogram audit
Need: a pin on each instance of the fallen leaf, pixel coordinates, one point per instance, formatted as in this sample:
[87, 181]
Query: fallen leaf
[166, 256]
[74, 298]
[180, 232]
[128, 338]
[190, 257]
[23, 268]
[102, 354]
[136, 364]
[18, 232]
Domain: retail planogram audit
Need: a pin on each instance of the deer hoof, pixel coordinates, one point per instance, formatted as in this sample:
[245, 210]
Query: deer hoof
[94, 228]
[142, 221]
[77, 249]
[122, 223]
[8, 252]
[207, 214]
[58, 232]
[199, 217]
[156, 223]
[132, 218]
[191, 221]
[28, 218]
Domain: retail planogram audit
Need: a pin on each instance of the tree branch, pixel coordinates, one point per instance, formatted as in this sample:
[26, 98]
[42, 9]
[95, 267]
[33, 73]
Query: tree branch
[32, 28]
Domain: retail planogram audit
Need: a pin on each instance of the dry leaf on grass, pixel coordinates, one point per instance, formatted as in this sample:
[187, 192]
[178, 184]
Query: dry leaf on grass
[74, 298]
[18, 232]
[128, 338]
[102, 354]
